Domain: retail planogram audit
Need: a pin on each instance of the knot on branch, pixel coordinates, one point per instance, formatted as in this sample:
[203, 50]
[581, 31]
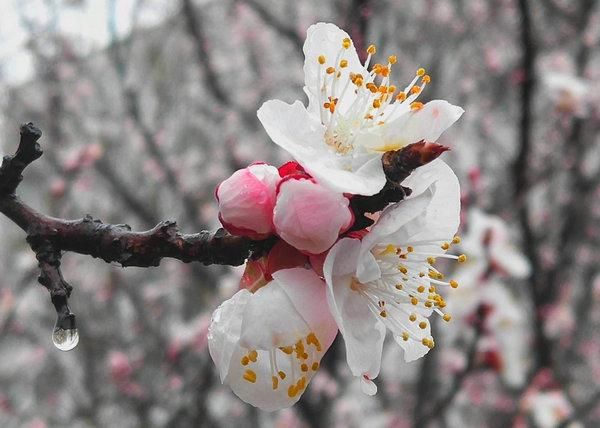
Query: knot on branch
[11, 171]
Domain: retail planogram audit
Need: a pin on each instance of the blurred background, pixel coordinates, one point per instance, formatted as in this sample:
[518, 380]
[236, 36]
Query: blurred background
[146, 105]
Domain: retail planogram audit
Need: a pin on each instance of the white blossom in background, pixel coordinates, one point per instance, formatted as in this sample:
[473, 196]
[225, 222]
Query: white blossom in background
[388, 280]
[549, 408]
[354, 114]
[570, 94]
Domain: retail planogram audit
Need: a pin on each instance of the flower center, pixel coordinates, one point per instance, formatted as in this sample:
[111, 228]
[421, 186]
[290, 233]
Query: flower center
[406, 293]
[376, 100]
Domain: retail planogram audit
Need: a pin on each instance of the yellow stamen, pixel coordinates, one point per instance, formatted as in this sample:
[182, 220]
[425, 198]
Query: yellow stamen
[372, 49]
[275, 382]
[421, 72]
[250, 376]
[392, 59]
[321, 59]
[346, 43]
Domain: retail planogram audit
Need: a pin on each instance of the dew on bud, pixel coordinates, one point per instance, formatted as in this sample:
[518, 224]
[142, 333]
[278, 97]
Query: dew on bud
[65, 335]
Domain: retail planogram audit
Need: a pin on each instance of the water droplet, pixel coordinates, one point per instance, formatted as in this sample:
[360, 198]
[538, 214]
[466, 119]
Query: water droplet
[65, 335]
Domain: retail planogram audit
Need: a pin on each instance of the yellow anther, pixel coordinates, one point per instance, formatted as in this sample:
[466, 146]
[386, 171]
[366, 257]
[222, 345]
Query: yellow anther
[439, 275]
[421, 72]
[344, 63]
[412, 317]
[315, 366]
[292, 391]
[376, 103]
[428, 342]
[399, 287]
[445, 246]
[281, 374]
[462, 258]
[346, 43]
[287, 349]
[456, 240]
[250, 376]
[447, 317]
[431, 260]
[426, 79]
[311, 339]
[372, 87]
[392, 59]
[401, 96]
[410, 249]
[416, 105]
[442, 304]
[245, 361]
[304, 367]
[389, 249]
[414, 301]
[321, 59]
[330, 70]
[453, 283]
[422, 325]
[432, 288]
[421, 274]
[421, 288]
[383, 89]
[415, 89]
[428, 304]
[303, 356]
[403, 269]
[275, 382]
[405, 335]
[383, 313]
[253, 356]
[391, 89]
[372, 49]
[301, 383]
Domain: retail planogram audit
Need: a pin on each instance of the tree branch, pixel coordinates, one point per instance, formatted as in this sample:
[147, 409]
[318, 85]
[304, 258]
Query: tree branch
[49, 237]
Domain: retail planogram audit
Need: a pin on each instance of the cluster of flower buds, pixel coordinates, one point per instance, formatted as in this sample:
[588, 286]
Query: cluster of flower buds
[261, 200]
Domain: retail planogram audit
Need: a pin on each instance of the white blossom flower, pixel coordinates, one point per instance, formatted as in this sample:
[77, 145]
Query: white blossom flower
[354, 114]
[389, 280]
[268, 345]
[571, 94]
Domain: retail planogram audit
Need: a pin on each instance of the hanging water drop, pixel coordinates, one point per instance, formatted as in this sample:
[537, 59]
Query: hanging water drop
[65, 335]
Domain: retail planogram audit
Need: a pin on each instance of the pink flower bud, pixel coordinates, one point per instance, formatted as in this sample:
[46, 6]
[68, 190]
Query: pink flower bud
[246, 201]
[310, 217]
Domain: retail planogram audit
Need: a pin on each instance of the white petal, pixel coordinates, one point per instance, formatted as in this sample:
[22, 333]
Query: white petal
[425, 124]
[307, 292]
[442, 215]
[292, 128]
[363, 332]
[326, 39]
[358, 174]
[413, 350]
[271, 320]
[367, 386]
[224, 331]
